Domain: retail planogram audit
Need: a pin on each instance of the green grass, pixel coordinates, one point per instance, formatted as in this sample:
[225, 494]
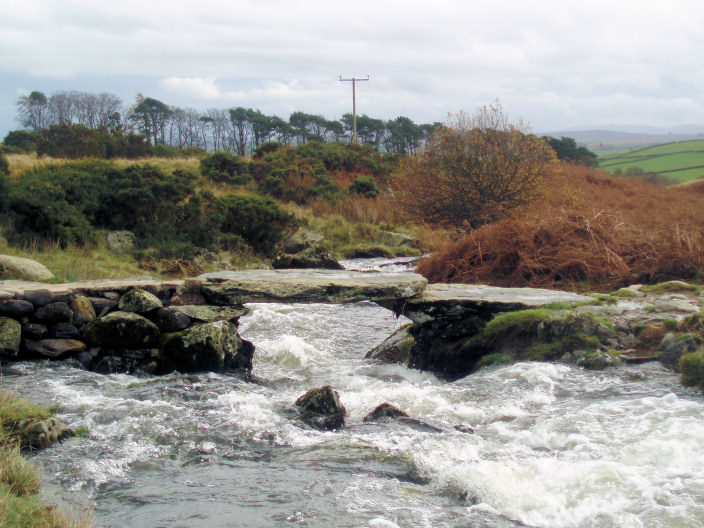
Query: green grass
[20, 503]
[681, 161]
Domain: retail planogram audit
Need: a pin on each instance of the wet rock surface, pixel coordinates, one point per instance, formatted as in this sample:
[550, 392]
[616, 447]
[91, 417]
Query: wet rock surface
[321, 408]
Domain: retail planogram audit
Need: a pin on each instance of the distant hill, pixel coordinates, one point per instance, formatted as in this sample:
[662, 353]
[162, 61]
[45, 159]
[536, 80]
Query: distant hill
[627, 138]
[680, 161]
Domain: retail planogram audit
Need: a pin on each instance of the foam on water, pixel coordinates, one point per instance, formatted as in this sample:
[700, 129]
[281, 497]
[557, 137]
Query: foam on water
[553, 445]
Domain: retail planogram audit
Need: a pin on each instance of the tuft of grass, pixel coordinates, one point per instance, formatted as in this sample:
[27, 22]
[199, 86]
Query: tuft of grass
[14, 410]
[670, 287]
[671, 324]
[624, 293]
[515, 324]
[691, 368]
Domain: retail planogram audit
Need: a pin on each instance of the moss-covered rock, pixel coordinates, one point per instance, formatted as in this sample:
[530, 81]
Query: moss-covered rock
[321, 408]
[122, 330]
[83, 310]
[599, 360]
[494, 360]
[206, 347]
[139, 301]
[10, 336]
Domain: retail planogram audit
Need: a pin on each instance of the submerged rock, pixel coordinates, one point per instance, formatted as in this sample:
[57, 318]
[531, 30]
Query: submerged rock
[384, 411]
[206, 347]
[321, 408]
[39, 434]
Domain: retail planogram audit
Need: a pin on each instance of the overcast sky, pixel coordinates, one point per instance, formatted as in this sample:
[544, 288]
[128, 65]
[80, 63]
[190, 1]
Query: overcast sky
[556, 64]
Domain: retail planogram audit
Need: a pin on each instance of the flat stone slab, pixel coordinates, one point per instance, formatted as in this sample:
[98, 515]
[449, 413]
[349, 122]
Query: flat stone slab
[308, 286]
[62, 291]
[461, 300]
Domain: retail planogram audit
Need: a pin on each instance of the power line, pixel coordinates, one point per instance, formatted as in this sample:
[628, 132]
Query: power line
[354, 103]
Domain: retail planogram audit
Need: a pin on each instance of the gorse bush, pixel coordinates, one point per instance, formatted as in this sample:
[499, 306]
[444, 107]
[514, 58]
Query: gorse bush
[225, 167]
[257, 220]
[366, 186]
[67, 202]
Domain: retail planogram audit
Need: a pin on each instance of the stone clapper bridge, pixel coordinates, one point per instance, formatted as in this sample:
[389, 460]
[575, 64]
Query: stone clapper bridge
[440, 313]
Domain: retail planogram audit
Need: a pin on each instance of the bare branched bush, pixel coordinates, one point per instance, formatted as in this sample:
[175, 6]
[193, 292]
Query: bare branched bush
[474, 170]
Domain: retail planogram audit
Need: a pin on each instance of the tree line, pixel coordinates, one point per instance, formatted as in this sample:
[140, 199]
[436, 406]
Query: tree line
[239, 130]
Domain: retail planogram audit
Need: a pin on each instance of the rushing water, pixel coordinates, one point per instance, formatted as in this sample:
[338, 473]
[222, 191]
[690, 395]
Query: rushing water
[552, 445]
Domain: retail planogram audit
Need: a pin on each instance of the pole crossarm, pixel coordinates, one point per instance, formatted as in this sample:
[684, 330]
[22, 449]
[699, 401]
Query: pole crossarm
[354, 103]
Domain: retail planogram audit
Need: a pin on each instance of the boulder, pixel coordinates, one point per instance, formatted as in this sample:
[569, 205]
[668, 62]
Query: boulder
[122, 330]
[310, 258]
[40, 434]
[563, 323]
[54, 348]
[321, 408]
[121, 241]
[83, 310]
[10, 336]
[139, 301]
[384, 411]
[673, 350]
[23, 268]
[396, 239]
[304, 250]
[599, 361]
[206, 347]
[396, 348]
[15, 308]
[55, 312]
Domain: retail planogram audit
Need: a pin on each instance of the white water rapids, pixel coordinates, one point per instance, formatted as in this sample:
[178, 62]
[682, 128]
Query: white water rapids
[553, 445]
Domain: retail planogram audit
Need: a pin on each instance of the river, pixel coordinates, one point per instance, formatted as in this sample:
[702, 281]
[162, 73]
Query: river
[534, 444]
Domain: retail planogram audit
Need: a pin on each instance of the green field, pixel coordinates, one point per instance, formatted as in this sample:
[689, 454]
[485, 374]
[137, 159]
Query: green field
[680, 161]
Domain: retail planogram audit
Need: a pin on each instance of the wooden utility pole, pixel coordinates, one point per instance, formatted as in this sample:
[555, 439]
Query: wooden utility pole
[354, 104]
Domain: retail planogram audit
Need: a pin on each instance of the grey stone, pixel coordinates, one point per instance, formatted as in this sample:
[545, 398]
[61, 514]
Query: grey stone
[396, 239]
[40, 434]
[170, 320]
[23, 268]
[310, 258]
[101, 305]
[563, 323]
[54, 348]
[16, 308]
[39, 297]
[599, 361]
[64, 331]
[10, 336]
[139, 301]
[301, 240]
[209, 314]
[122, 330]
[206, 347]
[672, 353]
[239, 287]
[56, 312]
[394, 349]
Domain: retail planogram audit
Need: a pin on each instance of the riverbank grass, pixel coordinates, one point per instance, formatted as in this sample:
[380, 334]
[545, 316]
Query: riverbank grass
[20, 503]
